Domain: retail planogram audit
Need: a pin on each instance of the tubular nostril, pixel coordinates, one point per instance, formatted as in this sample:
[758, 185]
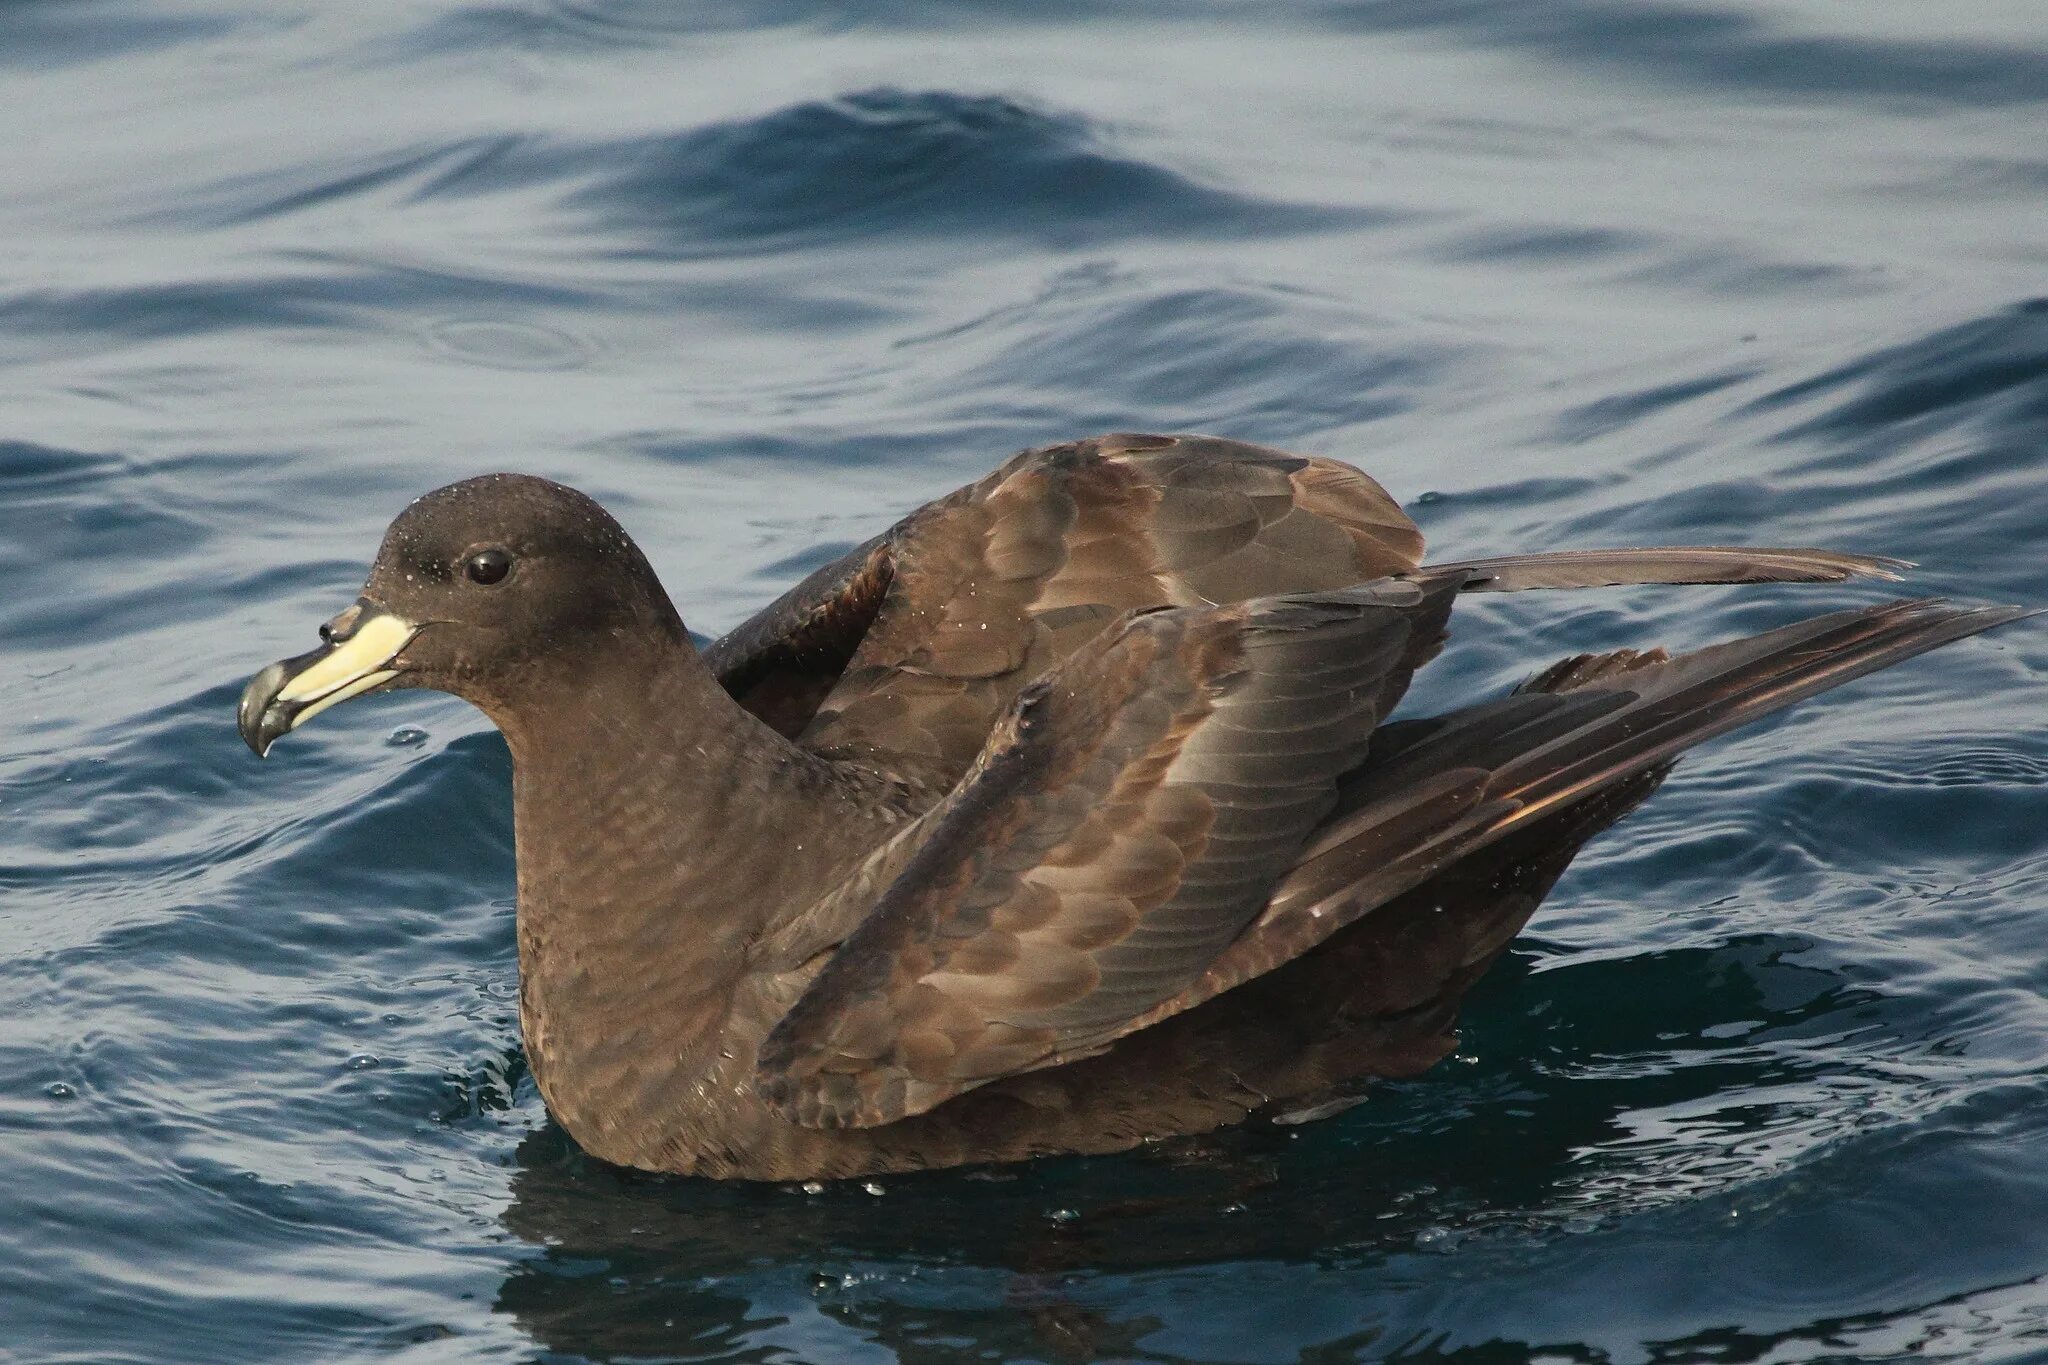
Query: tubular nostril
[337, 629]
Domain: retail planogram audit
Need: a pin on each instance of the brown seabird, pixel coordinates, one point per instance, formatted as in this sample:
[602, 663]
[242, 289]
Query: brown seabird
[1062, 816]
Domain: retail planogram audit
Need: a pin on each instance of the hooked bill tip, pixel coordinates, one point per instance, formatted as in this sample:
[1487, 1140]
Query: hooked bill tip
[257, 717]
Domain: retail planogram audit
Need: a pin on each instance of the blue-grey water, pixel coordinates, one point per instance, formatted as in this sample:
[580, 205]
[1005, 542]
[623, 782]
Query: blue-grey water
[1765, 1081]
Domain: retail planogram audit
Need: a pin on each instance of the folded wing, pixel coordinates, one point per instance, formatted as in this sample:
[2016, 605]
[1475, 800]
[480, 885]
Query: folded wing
[1126, 822]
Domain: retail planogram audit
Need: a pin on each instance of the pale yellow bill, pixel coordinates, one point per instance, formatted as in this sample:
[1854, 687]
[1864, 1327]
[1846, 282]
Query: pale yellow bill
[356, 665]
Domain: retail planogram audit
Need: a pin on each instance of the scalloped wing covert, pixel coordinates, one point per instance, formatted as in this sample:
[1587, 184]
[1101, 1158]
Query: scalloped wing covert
[906, 651]
[1128, 819]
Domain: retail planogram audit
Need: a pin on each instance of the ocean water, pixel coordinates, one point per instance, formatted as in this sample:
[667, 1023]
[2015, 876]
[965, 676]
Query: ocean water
[1764, 1082]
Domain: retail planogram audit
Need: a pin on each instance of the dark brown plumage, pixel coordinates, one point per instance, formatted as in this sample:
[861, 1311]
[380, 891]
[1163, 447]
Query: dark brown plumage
[1061, 816]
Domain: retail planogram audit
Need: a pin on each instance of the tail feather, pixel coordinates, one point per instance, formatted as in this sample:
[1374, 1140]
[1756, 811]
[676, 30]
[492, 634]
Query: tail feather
[1673, 564]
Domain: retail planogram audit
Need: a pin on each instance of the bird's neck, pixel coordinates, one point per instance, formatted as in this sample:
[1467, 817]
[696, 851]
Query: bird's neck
[662, 832]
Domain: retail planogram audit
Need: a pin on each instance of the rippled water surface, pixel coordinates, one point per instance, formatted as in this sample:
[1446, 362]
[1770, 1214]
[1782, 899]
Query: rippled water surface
[1765, 1080]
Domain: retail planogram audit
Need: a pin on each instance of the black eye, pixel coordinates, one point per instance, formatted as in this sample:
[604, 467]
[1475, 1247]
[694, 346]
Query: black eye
[488, 567]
